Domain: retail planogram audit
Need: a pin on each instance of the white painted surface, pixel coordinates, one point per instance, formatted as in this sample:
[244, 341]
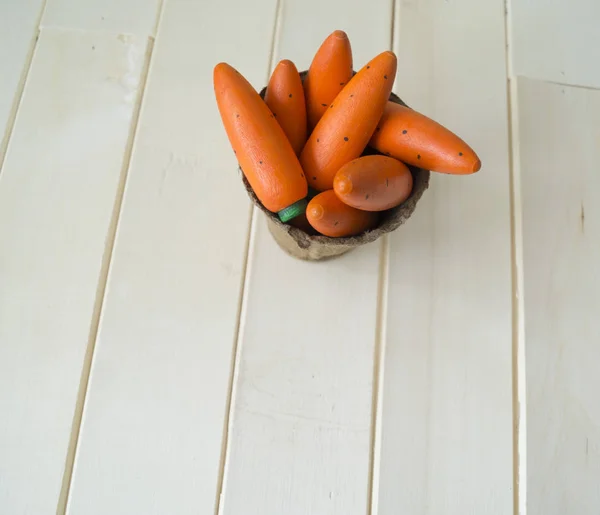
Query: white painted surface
[559, 154]
[556, 40]
[18, 30]
[57, 191]
[300, 433]
[156, 406]
[446, 403]
[116, 16]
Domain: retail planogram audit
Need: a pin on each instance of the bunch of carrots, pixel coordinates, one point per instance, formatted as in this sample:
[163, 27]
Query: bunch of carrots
[301, 148]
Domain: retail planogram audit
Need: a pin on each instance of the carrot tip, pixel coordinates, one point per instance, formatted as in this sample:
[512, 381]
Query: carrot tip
[476, 166]
[221, 66]
[340, 34]
[222, 69]
[343, 185]
[316, 211]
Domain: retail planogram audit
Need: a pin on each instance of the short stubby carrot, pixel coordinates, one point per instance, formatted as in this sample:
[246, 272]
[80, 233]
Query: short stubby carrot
[420, 141]
[329, 72]
[345, 129]
[373, 183]
[285, 98]
[264, 153]
[331, 217]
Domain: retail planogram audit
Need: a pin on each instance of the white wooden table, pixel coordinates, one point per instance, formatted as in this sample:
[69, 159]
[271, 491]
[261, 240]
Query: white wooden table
[149, 360]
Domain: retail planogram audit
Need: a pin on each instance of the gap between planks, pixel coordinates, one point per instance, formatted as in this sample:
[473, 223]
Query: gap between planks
[241, 314]
[236, 356]
[380, 339]
[519, 366]
[518, 315]
[18, 97]
[63, 499]
[378, 375]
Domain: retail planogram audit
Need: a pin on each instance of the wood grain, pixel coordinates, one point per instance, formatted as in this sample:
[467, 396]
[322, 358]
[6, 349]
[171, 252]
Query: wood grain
[556, 40]
[445, 417]
[155, 413]
[300, 434]
[115, 16]
[559, 152]
[157, 435]
[57, 193]
[18, 32]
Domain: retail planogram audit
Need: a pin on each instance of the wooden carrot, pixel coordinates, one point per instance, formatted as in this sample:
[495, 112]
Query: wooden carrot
[262, 148]
[285, 98]
[420, 141]
[345, 129]
[329, 72]
[331, 217]
[373, 183]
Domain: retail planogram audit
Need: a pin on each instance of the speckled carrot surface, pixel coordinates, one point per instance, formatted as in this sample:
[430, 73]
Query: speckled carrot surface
[331, 217]
[373, 183]
[265, 155]
[345, 129]
[285, 98]
[417, 140]
[329, 72]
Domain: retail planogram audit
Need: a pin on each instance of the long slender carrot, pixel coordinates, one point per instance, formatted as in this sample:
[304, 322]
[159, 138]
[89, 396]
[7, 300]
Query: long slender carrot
[285, 98]
[373, 183]
[331, 217]
[420, 141]
[345, 129]
[329, 72]
[262, 148]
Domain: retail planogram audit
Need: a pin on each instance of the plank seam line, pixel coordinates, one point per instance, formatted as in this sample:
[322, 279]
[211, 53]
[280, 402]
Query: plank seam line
[558, 83]
[518, 332]
[380, 346]
[18, 96]
[160, 11]
[101, 288]
[378, 377]
[236, 357]
[242, 303]
[393, 34]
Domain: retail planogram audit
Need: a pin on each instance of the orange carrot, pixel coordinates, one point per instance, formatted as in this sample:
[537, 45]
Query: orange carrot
[420, 141]
[373, 183]
[345, 129]
[263, 151]
[285, 98]
[331, 217]
[329, 72]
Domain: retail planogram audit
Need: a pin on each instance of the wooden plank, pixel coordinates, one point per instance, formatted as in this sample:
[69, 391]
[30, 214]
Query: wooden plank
[559, 154]
[18, 30]
[57, 193]
[556, 40]
[445, 436]
[115, 16]
[300, 437]
[155, 414]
